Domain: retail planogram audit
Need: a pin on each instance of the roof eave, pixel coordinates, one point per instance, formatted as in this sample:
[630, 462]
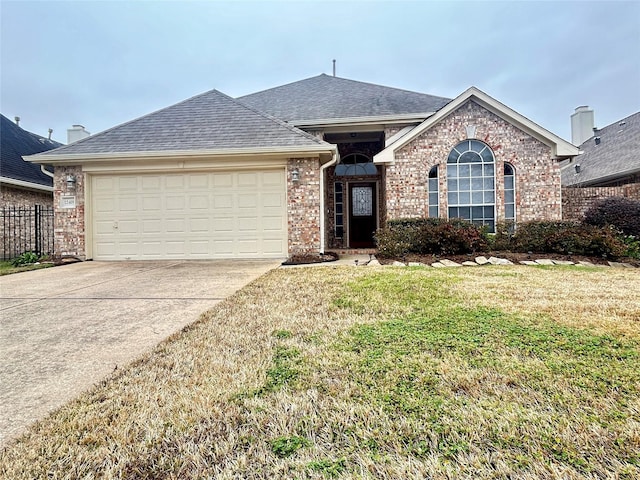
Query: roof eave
[322, 151]
[25, 184]
[370, 120]
[560, 148]
[606, 179]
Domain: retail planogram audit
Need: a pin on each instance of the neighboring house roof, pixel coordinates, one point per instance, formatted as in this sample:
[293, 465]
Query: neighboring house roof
[16, 142]
[617, 155]
[211, 123]
[326, 99]
[560, 148]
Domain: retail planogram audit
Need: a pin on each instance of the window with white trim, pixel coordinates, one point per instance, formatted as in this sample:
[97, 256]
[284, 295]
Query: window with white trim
[471, 193]
[432, 190]
[509, 193]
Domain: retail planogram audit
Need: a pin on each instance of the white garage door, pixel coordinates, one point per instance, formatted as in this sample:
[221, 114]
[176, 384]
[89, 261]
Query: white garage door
[189, 215]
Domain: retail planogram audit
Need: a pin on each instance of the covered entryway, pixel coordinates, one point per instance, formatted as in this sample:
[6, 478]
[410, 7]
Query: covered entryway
[196, 215]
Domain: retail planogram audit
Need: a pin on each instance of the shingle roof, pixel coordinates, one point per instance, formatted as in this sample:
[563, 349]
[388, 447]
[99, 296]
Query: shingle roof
[16, 142]
[327, 97]
[617, 154]
[209, 121]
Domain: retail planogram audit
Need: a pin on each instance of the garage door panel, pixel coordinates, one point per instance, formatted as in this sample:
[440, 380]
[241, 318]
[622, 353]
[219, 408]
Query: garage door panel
[199, 202]
[128, 183]
[126, 227]
[247, 200]
[174, 182]
[175, 202]
[128, 204]
[151, 182]
[199, 225]
[189, 215]
[175, 225]
[272, 224]
[152, 226]
[152, 203]
[247, 180]
[223, 225]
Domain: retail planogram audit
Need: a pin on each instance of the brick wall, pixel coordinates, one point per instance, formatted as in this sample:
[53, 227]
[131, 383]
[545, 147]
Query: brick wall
[538, 195]
[69, 227]
[303, 206]
[20, 197]
[577, 200]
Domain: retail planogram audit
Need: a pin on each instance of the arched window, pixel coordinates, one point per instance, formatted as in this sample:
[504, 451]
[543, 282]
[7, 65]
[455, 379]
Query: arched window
[355, 164]
[509, 193]
[471, 183]
[432, 189]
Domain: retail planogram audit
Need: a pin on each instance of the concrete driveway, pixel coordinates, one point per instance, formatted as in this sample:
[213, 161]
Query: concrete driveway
[64, 329]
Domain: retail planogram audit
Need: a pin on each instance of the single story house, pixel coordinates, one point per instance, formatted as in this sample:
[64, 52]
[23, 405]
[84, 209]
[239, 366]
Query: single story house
[309, 166]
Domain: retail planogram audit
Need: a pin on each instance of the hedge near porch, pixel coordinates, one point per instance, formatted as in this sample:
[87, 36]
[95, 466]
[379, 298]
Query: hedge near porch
[436, 236]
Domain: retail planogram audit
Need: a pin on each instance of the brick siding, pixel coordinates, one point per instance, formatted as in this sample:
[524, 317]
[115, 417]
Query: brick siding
[303, 206]
[20, 197]
[577, 200]
[538, 195]
[69, 225]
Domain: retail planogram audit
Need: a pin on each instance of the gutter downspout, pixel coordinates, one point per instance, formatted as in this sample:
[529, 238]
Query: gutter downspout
[45, 171]
[333, 161]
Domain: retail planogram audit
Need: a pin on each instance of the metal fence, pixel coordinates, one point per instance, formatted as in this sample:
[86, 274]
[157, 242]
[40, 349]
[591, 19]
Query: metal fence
[26, 228]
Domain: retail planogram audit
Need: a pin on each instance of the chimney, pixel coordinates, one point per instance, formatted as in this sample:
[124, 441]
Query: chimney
[582, 123]
[17, 119]
[75, 133]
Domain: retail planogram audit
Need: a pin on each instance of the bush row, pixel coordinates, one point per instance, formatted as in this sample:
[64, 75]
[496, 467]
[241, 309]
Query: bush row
[425, 236]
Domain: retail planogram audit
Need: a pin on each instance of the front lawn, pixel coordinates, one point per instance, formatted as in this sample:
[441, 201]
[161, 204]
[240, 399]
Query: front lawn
[343, 372]
[7, 267]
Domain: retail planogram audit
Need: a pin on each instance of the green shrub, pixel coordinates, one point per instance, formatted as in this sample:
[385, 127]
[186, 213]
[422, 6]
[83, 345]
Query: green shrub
[26, 258]
[619, 212]
[426, 236]
[633, 246]
[567, 238]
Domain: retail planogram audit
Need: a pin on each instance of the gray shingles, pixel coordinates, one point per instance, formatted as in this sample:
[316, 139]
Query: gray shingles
[618, 153]
[210, 121]
[327, 97]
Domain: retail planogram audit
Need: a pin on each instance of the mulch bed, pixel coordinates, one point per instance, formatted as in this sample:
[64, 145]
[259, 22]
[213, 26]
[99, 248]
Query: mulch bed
[311, 258]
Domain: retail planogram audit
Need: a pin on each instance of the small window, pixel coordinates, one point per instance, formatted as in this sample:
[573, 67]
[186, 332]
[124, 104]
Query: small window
[432, 191]
[509, 193]
[339, 214]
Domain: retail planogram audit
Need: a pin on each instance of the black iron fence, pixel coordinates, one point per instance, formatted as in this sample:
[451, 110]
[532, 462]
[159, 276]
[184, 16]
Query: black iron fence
[26, 228]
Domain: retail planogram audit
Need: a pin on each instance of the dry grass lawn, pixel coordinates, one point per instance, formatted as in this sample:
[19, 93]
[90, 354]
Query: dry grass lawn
[342, 372]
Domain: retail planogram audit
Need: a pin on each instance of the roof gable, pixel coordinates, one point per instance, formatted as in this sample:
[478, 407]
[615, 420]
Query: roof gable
[617, 154]
[209, 122]
[16, 142]
[561, 148]
[325, 97]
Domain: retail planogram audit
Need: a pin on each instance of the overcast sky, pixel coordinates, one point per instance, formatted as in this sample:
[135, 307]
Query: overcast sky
[101, 63]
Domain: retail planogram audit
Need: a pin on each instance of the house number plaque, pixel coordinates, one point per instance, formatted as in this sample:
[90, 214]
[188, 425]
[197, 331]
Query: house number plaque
[68, 201]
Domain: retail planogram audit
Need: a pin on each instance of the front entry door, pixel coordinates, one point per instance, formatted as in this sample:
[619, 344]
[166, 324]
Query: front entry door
[363, 215]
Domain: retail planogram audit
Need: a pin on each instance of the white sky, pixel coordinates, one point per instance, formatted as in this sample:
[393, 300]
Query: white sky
[101, 63]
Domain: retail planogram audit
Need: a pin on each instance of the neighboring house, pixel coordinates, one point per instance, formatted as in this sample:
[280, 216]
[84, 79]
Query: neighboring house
[313, 165]
[609, 165]
[23, 183]
[610, 155]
